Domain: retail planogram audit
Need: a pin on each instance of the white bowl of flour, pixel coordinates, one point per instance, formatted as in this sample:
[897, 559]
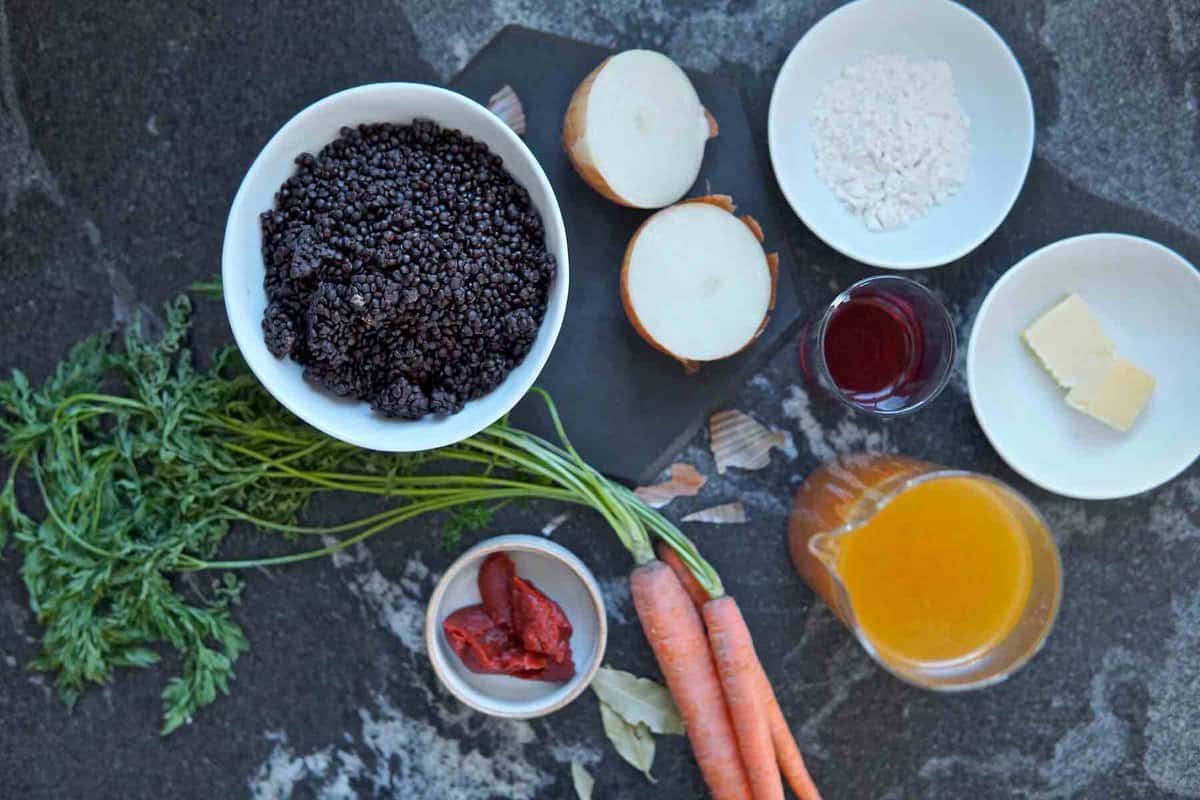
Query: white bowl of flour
[901, 131]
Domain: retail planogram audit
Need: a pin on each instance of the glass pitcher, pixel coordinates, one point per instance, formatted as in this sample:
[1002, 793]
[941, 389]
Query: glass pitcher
[950, 579]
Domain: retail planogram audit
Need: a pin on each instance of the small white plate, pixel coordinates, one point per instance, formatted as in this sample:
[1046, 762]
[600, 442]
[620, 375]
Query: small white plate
[1148, 298]
[991, 89]
[563, 578]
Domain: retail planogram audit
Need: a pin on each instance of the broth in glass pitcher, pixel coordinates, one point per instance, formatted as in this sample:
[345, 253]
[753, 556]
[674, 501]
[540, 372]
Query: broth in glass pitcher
[950, 579]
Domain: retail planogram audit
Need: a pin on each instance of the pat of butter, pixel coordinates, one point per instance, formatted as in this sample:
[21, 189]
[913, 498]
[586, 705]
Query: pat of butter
[1073, 347]
[1070, 343]
[1116, 396]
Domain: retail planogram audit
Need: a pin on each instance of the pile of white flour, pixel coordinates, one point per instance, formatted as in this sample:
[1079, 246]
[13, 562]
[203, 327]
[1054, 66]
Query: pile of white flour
[890, 139]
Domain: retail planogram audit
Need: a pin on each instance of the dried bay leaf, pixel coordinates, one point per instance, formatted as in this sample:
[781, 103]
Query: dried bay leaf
[638, 700]
[634, 743]
[583, 781]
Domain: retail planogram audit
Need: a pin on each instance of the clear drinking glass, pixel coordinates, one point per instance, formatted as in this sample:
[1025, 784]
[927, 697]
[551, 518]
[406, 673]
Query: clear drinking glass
[884, 346]
[845, 495]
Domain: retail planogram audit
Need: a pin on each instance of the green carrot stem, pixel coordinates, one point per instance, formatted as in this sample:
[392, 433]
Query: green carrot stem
[405, 513]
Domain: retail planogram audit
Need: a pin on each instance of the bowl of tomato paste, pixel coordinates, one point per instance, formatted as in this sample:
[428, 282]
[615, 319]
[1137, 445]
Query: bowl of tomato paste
[516, 627]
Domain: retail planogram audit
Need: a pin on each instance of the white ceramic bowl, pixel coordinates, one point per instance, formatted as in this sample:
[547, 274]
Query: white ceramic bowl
[565, 579]
[991, 89]
[242, 263]
[1148, 298]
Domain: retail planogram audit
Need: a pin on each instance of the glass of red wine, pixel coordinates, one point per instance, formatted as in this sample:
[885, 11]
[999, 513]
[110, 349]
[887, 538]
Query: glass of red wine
[884, 346]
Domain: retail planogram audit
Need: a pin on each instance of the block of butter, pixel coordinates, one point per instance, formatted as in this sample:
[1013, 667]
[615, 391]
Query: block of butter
[1071, 343]
[1115, 397]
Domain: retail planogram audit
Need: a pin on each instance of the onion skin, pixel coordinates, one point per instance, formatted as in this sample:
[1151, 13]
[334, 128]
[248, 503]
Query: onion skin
[573, 141]
[773, 266]
[724, 202]
[713, 127]
[754, 227]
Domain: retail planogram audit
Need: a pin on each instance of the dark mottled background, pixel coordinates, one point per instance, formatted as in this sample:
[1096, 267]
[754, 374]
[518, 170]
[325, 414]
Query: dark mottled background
[124, 130]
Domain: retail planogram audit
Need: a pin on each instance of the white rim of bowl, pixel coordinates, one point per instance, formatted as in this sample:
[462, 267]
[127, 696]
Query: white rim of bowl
[773, 137]
[531, 544]
[972, 366]
[562, 273]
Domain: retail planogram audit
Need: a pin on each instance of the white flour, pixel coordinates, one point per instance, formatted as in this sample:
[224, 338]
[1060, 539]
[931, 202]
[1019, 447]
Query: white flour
[890, 139]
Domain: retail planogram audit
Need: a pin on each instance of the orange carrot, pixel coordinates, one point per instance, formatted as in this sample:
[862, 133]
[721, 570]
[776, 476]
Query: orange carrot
[742, 681]
[668, 556]
[676, 634]
[787, 752]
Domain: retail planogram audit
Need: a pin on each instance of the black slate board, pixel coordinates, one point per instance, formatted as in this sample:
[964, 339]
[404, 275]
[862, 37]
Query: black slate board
[627, 408]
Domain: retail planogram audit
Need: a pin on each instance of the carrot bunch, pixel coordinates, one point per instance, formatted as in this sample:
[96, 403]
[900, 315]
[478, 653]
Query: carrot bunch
[737, 730]
[743, 709]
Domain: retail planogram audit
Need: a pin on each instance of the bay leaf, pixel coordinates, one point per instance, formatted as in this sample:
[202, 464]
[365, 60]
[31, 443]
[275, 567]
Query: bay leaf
[634, 743]
[583, 781]
[638, 700]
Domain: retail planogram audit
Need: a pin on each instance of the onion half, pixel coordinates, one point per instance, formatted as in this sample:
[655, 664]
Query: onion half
[696, 283]
[635, 130]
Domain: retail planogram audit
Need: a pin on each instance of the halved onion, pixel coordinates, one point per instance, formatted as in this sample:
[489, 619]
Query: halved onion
[696, 283]
[635, 130]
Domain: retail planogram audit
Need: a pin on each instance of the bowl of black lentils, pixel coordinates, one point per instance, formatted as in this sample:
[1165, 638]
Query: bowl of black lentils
[395, 267]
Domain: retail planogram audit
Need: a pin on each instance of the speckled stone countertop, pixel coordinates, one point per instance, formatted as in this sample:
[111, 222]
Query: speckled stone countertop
[124, 131]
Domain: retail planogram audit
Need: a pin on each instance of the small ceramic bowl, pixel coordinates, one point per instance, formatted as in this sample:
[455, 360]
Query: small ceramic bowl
[993, 94]
[558, 573]
[1148, 299]
[242, 267]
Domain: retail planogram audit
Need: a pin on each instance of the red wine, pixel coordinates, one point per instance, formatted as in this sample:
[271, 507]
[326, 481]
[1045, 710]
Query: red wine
[884, 346]
[874, 347]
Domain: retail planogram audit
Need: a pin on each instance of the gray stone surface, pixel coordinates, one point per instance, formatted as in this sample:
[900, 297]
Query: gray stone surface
[124, 130]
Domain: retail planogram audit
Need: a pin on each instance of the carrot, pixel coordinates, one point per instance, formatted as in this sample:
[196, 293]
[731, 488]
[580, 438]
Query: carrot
[676, 635]
[787, 752]
[668, 556]
[742, 679]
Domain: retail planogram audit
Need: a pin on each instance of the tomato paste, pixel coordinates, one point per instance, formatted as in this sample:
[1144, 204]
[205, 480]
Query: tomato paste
[516, 630]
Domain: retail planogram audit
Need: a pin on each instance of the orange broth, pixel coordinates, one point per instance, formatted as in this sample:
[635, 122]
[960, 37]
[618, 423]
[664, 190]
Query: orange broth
[940, 574]
[937, 575]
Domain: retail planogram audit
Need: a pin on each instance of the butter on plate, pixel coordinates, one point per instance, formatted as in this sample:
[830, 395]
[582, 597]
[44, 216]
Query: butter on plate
[1071, 343]
[1072, 346]
[1116, 396]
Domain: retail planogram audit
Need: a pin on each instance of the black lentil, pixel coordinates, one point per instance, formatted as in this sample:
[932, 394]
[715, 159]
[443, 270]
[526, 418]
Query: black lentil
[404, 267]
